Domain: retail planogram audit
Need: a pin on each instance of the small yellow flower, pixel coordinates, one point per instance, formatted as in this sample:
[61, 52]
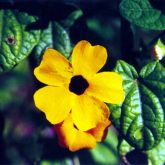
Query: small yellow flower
[76, 88]
[71, 137]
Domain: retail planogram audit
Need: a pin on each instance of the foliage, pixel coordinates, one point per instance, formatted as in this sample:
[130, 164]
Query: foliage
[159, 152]
[16, 41]
[142, 112]
[26, 30]
[142, 14]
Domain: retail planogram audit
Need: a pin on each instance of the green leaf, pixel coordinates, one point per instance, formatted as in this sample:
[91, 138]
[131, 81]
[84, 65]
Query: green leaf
[140, 118]
[128, 73]
[115, 115]
[69, 21]
[45, 42]
[156, 156]
[16, 42]
[142, 14]
[105, 153]
[55, 36]
[61, 39]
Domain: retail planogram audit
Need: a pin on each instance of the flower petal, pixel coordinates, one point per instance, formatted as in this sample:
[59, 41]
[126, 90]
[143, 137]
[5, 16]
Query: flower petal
[100, 131]
[87, 59]
[54, 102]
[88, 111]
[107, 87]
[72, 138]
[54, 69]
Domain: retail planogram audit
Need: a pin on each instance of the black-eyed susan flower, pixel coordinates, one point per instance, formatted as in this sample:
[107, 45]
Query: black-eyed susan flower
[71, 137]
[76, 88]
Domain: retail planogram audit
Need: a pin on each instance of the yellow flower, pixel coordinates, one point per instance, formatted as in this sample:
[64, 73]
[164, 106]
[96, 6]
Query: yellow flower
[71, 137]
[76, 88]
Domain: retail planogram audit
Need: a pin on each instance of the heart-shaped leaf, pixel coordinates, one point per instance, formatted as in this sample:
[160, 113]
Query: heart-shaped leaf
[141, 13]
[16, 42]
[141, 117]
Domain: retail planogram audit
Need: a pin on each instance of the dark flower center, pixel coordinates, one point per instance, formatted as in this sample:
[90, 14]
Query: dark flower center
[78, 85]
